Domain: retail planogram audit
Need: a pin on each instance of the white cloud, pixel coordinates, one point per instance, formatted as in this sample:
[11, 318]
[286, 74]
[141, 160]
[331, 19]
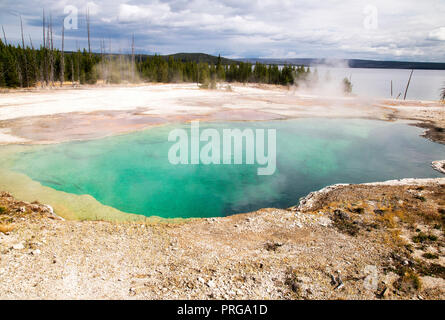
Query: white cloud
[139, 13]
[438, 34]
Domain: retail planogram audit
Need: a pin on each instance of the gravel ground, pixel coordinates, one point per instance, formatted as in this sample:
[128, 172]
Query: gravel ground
[383, 241]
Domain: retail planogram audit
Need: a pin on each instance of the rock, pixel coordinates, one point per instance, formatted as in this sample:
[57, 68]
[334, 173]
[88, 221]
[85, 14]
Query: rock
[324, 221]
[35, 252]
[439, 165]
[18, 246]
[211, 284]
[53, 215]
[201, 280]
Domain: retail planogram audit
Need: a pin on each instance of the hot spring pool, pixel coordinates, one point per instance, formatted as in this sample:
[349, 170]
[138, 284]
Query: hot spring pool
[132, 173]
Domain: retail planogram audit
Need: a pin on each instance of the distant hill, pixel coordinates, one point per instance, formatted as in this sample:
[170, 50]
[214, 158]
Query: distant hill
[200, 57]
[353, 63]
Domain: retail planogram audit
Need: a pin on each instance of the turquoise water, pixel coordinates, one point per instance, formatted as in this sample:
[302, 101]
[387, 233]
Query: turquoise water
[132, 172]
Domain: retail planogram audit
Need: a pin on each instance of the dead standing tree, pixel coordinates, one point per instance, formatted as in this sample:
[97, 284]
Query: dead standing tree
[88, 30]
[51, 49]
[43, 64]
[72, 71]
[132, 60]
[407, 85]
[24, 54]
[62, 58]
[78, 62]
[4, 36]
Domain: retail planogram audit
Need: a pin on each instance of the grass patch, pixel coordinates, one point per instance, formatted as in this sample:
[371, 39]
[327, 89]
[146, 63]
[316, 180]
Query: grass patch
[423, 237]
[409, 281]
[358, 210]
[432, 270]
[421, 198]
[344, 224]
[430, 256]
[2, 210]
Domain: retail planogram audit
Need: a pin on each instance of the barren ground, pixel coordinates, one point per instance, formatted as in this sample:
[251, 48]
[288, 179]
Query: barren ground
[349, 242]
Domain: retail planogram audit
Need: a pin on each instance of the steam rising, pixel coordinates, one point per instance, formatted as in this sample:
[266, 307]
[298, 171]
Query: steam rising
[118, 69]
[324, 85]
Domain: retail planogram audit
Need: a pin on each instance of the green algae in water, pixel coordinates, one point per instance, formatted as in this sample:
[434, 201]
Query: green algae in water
[132, 172]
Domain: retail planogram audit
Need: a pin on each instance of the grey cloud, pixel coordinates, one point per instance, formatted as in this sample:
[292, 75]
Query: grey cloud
[407, 29]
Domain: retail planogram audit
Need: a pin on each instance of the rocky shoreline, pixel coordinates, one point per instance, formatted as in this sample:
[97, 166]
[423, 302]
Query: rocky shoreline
[371, 241]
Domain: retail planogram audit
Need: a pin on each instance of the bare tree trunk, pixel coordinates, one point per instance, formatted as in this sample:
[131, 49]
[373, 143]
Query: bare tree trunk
[48, 49]
[4, 36]
[43, 25]
[51, 45]
[407, 85]
[88, 30]
[62, 60]
[391, 88]
[72, 70]
[24, 54]
[44, 58]
[132, 59]
[102, 63]
[109, 63]
[78, 64]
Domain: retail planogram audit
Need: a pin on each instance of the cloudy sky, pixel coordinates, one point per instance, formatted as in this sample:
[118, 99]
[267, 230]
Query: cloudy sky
[383, 29]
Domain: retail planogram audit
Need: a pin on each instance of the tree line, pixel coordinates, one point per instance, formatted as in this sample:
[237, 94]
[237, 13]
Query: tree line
[22, 66]
[29, 67]
[159, 69]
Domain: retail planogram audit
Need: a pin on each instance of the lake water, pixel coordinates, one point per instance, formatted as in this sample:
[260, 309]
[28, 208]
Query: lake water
[425, 84]
[132, 172]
